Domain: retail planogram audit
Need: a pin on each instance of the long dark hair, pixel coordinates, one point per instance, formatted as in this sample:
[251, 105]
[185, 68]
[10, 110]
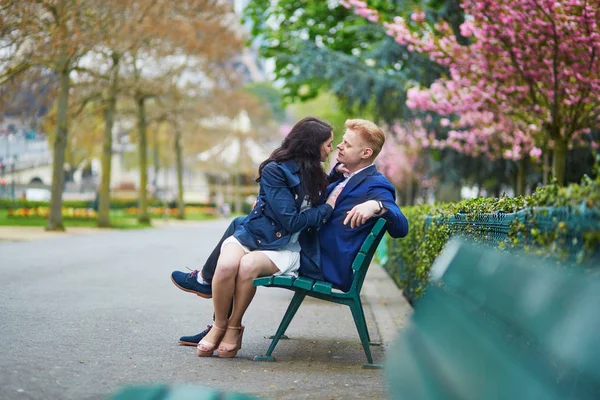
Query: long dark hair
[303, 145]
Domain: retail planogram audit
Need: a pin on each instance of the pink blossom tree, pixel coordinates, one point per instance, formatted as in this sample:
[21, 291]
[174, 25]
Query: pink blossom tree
[474, 129]
[401, 158]
[527, 82]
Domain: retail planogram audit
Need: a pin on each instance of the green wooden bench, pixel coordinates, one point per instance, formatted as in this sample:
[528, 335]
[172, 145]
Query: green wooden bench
[175, 392]
[499, 326]
[323, 290]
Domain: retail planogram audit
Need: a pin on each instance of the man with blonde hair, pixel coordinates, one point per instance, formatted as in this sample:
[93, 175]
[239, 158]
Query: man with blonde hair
[357, 177]
[369, 132]
[362, 195]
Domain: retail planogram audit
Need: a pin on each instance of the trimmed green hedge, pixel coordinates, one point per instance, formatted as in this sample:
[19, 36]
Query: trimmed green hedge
[554, 222]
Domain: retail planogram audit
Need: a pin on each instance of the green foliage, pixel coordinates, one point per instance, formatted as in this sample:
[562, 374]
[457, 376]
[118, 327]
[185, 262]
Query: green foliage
[561, 223]
[320, 45]
[327, 107]
[271, 96]
[411, 257]
[350, 79]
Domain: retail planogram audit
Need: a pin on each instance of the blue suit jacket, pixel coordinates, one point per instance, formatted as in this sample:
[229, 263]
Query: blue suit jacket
[338, 243]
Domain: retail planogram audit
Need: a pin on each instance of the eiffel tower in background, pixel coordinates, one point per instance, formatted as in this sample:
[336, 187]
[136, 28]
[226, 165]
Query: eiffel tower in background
[248, 64]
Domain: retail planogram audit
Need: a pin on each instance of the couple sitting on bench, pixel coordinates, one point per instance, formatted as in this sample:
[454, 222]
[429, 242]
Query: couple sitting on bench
[285, 235]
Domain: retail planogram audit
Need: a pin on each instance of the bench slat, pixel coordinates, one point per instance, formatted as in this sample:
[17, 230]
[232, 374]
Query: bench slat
[367, 244]
[496, 325]
[263, 281]
[528, 294]
[322, 287]
[358, 261]
[460, 356]
[174, 392]
[379, 227]
[284, 280]
[304, 283]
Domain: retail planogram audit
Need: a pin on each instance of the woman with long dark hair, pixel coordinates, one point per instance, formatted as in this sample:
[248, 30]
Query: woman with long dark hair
[266, 243]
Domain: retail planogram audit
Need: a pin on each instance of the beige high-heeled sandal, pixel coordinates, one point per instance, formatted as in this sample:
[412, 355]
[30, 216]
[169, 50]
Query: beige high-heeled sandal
[205, 348]
[225, 352]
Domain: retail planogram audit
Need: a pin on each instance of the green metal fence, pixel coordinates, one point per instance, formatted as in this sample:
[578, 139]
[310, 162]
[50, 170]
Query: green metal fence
[568, 225]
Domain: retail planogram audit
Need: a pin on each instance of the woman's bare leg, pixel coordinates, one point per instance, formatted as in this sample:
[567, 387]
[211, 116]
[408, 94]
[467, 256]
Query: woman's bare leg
[252, 265]
[223, 287]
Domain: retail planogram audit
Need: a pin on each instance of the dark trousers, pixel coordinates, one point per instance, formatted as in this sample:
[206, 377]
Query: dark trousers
[208, 270]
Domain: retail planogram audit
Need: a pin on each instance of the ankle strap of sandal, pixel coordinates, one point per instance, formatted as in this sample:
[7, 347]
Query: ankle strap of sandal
[237, 328]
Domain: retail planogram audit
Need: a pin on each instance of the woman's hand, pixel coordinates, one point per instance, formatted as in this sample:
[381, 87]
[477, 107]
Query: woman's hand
[342, 169]
[331, 200]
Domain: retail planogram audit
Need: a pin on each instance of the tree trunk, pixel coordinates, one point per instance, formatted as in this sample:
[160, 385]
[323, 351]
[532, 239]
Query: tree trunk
[415, 191]
[103, 219]
[179, 166]
[497, 188]
[143, 216]
[409, 193]
[559, 161]
[107, 143]
[155, 157]
[55, 221]
[545, 166]
[521, 176]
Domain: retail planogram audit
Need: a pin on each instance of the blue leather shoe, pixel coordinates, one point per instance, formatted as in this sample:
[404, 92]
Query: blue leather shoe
[188, 283]
[194, 340]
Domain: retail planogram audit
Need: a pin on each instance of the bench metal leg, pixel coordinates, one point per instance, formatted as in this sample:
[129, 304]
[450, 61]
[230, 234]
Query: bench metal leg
[361, 327]
[285, 322]
[273, 337]
[362, 313]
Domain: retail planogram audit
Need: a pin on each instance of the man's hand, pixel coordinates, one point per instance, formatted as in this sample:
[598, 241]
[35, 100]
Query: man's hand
[361, 213]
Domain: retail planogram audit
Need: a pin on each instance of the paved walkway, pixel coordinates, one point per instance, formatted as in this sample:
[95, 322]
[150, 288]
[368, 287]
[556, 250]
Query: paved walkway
[85, 314]
[29, 233]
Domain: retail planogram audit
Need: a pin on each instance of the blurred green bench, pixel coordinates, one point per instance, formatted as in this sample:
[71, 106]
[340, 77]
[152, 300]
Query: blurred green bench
[177, 392]
[499, 326]
[303, 287]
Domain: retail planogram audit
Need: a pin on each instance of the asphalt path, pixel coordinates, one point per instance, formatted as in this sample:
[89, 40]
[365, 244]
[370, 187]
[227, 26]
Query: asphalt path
[81, 316]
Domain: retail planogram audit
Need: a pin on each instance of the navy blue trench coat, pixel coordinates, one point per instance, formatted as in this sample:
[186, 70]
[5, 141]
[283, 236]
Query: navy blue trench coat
[276, 214]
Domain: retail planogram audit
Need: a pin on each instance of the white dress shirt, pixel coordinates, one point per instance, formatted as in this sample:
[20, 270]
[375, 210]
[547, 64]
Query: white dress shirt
[343, 183]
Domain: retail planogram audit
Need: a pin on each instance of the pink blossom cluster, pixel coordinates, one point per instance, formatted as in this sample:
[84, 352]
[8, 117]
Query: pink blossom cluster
[401, 158]
[529, 78]
[474, 130]
[361, 8]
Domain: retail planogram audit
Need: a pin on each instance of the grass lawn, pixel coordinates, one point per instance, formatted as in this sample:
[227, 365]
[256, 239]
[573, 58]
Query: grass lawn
[118, 218]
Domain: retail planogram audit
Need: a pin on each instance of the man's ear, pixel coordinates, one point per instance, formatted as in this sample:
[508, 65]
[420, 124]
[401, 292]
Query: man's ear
[367, 153]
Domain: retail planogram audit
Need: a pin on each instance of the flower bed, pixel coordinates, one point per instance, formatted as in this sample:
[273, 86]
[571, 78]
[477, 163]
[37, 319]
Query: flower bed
[42, 212]
[160, 211]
